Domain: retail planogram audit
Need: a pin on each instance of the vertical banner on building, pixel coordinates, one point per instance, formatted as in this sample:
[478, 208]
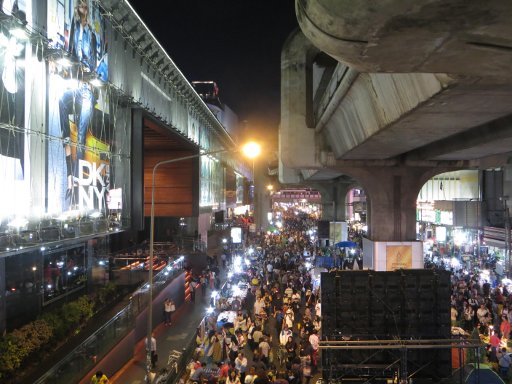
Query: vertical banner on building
[78, 108]
[14, 193]
[338, 231]
[398, 257]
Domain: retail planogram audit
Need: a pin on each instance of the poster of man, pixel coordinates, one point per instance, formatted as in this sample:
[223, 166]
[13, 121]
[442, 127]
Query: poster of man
[78, 164]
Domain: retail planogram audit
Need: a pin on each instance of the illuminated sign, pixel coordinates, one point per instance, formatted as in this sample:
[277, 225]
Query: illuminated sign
[398, 257]
[435, 216]
[236, 235]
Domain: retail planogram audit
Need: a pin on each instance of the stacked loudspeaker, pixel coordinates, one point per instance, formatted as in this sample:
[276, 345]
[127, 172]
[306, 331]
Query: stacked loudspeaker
[398, 305]
[323, 229]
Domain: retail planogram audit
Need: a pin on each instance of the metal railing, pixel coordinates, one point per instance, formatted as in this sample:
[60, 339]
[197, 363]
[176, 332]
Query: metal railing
[82, 359]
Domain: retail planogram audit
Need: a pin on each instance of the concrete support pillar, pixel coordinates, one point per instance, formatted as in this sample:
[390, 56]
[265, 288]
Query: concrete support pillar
[333, 199]
[262, 200]
[3, 312]
[328, 209]
[391, 194]
[297, 140]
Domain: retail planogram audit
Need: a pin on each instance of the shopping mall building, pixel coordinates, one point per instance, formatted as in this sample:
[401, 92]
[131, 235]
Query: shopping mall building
[86, 112]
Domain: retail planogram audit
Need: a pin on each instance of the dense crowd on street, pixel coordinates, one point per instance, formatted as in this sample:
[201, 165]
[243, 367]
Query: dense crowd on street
[481, 307]
[273, 335]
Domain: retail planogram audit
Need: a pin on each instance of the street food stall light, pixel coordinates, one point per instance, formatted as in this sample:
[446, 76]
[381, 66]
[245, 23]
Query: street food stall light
[236, 291]
[213, 299]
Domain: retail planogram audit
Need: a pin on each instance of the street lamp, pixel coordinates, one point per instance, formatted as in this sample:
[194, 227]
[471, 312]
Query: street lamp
[505, 199]
[250, 150]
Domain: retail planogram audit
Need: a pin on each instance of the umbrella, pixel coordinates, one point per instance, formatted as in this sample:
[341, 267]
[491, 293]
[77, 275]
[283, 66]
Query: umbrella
[345, 244]
[483, 374]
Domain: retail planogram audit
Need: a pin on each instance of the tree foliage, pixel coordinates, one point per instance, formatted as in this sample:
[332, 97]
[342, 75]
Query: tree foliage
[52, 328]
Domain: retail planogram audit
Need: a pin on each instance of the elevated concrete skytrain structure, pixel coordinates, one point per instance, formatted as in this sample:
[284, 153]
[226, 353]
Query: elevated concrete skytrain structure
[386, 95]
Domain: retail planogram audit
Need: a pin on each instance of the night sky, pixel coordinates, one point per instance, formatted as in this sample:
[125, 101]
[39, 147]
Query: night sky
[236, 43]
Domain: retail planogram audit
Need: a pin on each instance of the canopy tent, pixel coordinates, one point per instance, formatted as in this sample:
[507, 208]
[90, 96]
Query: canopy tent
[345, 244]
[484, 374]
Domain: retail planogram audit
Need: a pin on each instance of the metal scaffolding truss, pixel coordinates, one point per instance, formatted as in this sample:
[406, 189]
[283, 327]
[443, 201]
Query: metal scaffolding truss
[398, 366]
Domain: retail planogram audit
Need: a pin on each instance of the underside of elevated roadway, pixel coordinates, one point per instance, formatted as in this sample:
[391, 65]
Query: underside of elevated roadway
[389, 94]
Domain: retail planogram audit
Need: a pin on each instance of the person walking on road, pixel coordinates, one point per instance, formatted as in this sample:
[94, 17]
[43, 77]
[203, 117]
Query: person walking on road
[151, 346]
[169, 308]
[193, 286]
[99, 378]
[204, 283]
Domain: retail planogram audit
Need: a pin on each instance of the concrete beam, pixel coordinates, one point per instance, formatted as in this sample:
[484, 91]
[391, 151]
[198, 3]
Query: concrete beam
[497, 132]
[399, 36]
[297, 147]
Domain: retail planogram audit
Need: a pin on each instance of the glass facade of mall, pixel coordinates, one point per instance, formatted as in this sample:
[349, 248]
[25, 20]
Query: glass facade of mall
[68, 160]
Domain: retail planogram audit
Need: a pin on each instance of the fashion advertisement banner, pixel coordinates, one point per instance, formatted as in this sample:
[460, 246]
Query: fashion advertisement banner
[79, 127]
[12, 111]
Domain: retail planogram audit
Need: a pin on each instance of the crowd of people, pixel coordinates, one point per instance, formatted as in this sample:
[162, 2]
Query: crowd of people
[274, 334]
[481, 307]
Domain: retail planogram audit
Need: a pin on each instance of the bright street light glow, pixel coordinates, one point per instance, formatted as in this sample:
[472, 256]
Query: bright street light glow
[251, 150]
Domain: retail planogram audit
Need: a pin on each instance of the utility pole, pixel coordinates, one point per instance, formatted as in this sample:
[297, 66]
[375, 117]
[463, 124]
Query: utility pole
[507, 236]
[506, 218]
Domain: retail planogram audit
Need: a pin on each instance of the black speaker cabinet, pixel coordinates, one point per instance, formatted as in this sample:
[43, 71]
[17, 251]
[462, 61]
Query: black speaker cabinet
[397, 305]
[219, 217]
[323, 229]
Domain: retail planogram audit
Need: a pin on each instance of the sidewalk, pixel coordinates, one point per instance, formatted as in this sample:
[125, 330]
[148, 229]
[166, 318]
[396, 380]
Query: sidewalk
[185, 321]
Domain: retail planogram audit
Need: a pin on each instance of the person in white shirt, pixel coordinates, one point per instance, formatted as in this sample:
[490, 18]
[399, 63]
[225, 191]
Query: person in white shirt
[151, 346]
[283, 335]
[249, 379]
[288, 291]
[241, 366]
[314, 341]
[264, 348]
[270, 269]
[289, 318]
[315, 344]
[259, 305]
[318, 308]
[483, 315]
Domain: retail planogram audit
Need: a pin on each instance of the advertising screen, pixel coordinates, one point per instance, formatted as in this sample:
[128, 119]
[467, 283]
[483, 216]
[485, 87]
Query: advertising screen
[236, 235]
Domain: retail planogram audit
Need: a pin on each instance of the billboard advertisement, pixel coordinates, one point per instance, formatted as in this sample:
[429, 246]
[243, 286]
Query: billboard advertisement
[398, 257]
[78, 108]
[391, 255]
[15, 190]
